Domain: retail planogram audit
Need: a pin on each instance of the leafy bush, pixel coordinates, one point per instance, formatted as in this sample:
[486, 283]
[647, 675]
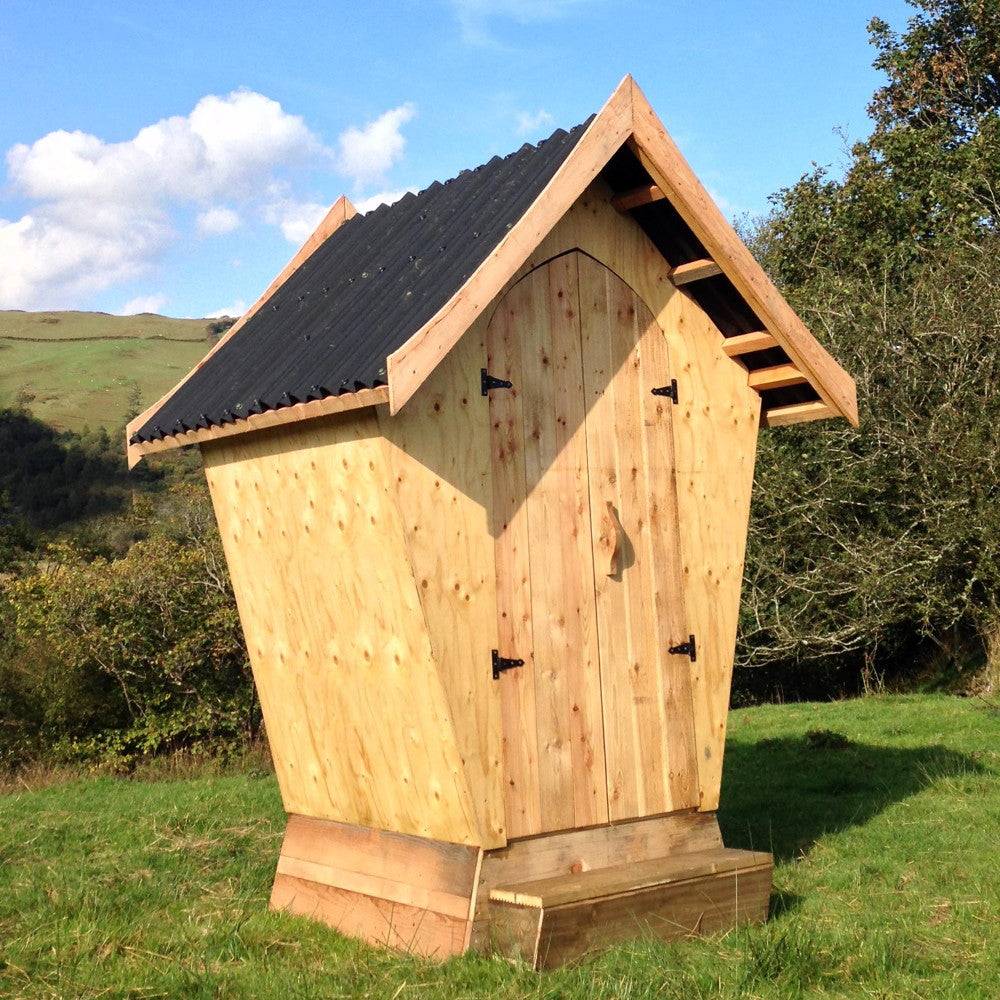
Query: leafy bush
[866, 543]
[124, 657]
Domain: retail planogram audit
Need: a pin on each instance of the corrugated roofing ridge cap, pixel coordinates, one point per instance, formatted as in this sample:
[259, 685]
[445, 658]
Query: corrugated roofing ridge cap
[602, 135]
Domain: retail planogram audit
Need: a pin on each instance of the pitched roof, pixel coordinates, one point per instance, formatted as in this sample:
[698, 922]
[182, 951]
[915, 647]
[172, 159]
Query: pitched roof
[372, 303]
[330, 327]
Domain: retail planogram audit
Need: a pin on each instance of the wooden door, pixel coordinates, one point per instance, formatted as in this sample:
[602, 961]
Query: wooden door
[648, 707]
[598, 723]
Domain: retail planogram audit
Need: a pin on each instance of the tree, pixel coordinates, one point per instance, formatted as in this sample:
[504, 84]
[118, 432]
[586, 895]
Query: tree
[890, 535]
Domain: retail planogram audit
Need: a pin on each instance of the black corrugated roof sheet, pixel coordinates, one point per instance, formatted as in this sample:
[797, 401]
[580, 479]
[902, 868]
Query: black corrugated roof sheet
[376, 281]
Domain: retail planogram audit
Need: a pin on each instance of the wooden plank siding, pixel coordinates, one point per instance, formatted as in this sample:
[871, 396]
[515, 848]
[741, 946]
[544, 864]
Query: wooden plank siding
[439, 466]
[587, 850]
[540, 316]
[648, 713]
[715, 428]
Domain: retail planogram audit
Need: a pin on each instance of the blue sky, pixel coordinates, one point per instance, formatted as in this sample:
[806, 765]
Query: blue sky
[172, 156]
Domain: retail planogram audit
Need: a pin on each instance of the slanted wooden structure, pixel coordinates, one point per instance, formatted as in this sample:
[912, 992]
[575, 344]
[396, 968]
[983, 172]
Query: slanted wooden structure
[482, 463]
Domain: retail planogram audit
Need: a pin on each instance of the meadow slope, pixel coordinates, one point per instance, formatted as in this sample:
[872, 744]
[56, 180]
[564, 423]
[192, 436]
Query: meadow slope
[84, 368]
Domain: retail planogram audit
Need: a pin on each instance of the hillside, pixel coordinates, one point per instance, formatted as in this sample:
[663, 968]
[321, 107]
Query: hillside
[82, 368]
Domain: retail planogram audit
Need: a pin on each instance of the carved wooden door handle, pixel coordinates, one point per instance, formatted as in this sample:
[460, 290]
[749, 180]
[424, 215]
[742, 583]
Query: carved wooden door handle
[611, 538]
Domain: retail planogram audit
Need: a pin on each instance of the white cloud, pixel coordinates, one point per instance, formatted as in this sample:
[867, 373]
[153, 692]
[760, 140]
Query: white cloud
[100, 213]
[530, 124]
[474, 16]
[143, 304]
[366, 154]
[55, 257]
[102, 208]
[237, 309]
[297, 220]
[217, 221]
[381, 198]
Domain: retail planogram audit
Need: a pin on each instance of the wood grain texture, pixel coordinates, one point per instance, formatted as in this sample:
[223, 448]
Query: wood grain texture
[701, 905]
[695, 270]
[648, 710]
[412, 363]
[639, 876]
[438, 451]
[263, 421]
[747, 343]
[359, 724]
[387, 923]
[340, 212]
[515, 629]
[573, 851]
[796, 413]
[715, 430]
[645, 194]
[431, 866]
[775, 377]
[672, 174]
[542, 313]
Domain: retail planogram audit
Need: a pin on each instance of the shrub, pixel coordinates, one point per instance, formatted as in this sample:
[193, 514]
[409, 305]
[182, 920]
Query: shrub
[128, 656]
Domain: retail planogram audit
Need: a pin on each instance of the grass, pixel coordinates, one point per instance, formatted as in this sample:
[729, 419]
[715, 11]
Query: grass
[883, 815]
[81, 367]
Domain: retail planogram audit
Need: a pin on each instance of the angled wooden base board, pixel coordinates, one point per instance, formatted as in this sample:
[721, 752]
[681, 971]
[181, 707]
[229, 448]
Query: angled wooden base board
[547, 899]
[390, 889]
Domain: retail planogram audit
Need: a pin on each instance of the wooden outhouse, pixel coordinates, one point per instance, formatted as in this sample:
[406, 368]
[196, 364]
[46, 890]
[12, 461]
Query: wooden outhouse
[481, 461]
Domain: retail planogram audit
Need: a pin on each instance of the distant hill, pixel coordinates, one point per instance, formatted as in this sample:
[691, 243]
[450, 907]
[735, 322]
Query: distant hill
[83, 368]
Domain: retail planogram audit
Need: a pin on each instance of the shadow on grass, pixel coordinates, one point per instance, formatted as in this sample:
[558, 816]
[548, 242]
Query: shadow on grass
[781, 795]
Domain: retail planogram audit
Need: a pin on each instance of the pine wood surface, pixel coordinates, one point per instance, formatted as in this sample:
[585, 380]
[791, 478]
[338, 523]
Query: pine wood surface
[648, 712]
[439, 468]
[620, 879]
[715, 426]
[359, 723]
[559, 854]
[540, 319]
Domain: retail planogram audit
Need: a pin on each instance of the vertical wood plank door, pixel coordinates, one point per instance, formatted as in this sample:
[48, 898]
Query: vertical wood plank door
[555, 777]
[649, 731]
[598, 724]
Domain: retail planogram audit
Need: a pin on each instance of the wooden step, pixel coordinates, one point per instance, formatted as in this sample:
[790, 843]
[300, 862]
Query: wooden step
[550, 921]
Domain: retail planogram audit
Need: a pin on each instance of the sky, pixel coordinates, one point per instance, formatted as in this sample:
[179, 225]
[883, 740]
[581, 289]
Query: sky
[171, 156]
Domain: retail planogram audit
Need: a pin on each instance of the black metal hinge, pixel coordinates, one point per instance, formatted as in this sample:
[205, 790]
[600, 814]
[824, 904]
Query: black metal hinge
[502, 663]
[488, 381]
[688, 648]
[668, 390]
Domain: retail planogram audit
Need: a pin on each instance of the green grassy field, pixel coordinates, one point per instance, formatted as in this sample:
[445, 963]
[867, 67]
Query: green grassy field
[81, 367]
[886, 881]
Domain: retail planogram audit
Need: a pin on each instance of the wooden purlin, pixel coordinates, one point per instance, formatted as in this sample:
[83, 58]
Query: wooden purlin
[340, 212]
[672, 174]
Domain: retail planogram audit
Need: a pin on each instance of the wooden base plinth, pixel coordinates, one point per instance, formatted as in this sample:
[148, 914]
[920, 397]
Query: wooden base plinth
[546, 899]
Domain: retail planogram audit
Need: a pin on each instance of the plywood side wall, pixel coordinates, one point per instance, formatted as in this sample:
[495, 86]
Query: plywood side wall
[359, 722]
[439, 464]
[715, 432]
